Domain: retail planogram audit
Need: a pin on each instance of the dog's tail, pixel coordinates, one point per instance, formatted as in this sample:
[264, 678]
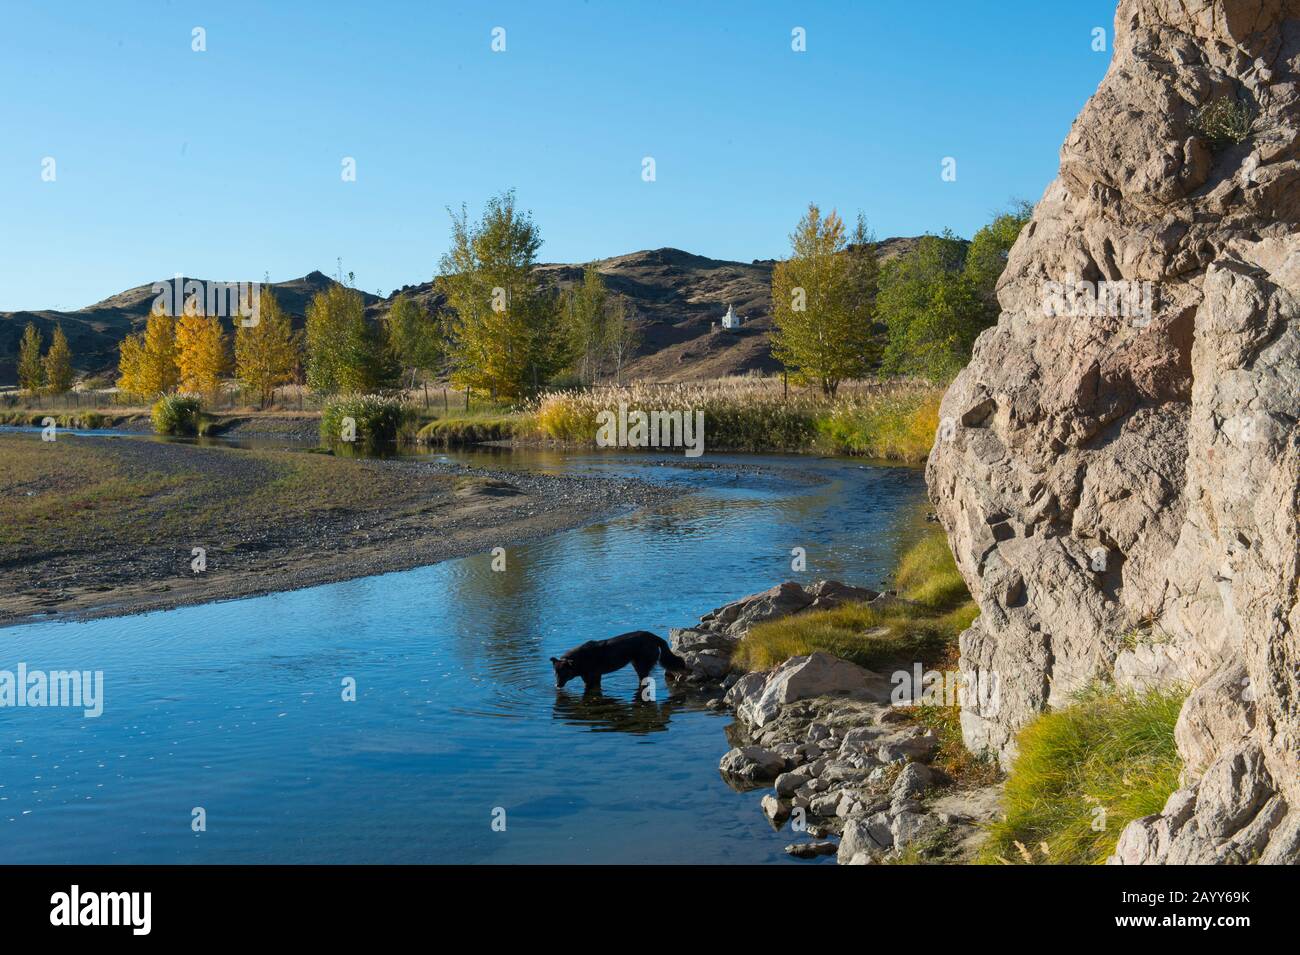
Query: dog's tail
[670, 660]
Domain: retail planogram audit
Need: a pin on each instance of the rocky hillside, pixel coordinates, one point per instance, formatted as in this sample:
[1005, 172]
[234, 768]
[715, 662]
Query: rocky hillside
[95, 331]
[678, 300]
[1121, 489]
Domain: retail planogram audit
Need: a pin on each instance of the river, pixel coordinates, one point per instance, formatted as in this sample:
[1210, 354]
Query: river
[457, 748]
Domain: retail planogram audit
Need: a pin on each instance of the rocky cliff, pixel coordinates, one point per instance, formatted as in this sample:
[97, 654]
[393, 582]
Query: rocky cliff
[1118, 466]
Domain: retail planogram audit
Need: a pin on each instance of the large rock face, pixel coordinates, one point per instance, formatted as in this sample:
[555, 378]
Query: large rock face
[1120, 485]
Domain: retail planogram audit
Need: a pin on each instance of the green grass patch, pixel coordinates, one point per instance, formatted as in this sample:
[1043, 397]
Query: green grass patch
[178, 415]
[895, 424]
[1083, 773]
[459, 432]
[923, 629]
[854, 631]
[928, 574]
[87, 420]
[367, 420]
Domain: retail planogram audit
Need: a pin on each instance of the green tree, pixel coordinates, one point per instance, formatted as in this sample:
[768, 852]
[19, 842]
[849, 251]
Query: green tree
[31, 371]
[58, 364]
[586, 323]
[345, 352]
[823, 301]
[986, 259]
[505, 333]
[414, 336]
[936, 300]
[266, 354]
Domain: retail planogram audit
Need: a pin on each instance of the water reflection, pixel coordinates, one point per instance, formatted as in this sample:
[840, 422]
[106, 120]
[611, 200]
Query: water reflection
[611, 714]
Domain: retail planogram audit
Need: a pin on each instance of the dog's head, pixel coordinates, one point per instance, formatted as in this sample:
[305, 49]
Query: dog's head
[564, 670]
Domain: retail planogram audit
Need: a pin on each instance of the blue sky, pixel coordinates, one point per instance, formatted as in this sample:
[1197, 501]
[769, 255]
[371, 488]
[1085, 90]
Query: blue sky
[226, 164]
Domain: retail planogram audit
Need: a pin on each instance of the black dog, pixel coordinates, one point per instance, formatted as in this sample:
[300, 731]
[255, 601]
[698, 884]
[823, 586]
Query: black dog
[640, 648]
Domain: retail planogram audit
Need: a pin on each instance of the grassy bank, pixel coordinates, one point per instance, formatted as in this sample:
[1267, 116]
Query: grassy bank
[894, 420]
[463, 431]
[923, 626]
[87, 420]
[1083, 773]
[891, 420]
[935, 608]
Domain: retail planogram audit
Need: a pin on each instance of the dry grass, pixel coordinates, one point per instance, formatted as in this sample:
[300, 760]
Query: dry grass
[968, 771]
[460, 432]
[894, 420]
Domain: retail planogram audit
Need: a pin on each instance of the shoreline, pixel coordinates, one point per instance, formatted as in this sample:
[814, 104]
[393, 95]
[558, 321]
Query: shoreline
[269, 521]
[846, 763]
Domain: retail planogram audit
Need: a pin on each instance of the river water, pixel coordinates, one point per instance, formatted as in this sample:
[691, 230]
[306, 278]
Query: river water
[237, 708]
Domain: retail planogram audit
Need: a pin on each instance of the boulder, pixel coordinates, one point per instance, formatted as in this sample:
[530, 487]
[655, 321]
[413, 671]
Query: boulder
[692, 641]
[751, 764]
[908, 827]
[811, 850]
[825, 803]
[798, 678]
[788, 783]
[869, 835]
[827, 594]
[776, 810]
[734, 619]
[914, 780]
[738, 616]
[908, 748]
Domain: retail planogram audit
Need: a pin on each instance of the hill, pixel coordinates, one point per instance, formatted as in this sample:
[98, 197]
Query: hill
[678, 300]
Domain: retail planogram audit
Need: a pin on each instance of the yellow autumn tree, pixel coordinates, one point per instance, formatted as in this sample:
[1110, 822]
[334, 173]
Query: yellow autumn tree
[201, 355]
[147, 360]
[266, 353]
[58, 364]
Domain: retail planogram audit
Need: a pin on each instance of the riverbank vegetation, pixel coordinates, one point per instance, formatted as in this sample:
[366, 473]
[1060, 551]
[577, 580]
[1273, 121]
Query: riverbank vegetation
[923, 625]
[469, 430]
[178, 414]
[867, 343]
[894, 420]
[368, 420]
[1083, 773]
